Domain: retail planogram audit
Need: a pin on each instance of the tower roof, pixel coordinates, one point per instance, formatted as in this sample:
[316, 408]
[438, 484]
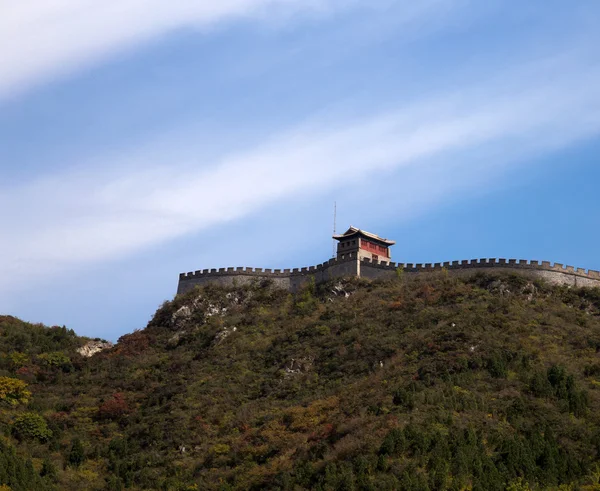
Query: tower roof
[353, 231]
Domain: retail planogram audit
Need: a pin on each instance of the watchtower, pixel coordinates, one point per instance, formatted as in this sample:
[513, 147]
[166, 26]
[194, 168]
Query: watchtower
[357, 243]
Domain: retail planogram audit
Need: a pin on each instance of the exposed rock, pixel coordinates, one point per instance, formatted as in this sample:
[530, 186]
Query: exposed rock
[300, 365]
[499, 286]
[223, 334]
[212, 310]
[175, 339]
[93, 347]
[340, 291]
[181, 316]
[233, 298]
[530, 290]
[198, 310]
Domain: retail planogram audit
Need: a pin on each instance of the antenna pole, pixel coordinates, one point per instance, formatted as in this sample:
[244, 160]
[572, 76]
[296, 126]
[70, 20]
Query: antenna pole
[334, 227]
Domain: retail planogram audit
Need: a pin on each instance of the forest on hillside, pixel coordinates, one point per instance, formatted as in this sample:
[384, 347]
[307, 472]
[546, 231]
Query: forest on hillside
[490, 382]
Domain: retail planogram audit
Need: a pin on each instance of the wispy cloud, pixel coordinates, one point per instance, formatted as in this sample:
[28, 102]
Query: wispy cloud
[40, 41]
[73, 219]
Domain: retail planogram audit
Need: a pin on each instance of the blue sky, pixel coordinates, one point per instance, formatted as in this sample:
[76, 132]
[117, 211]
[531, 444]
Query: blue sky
[139, 140]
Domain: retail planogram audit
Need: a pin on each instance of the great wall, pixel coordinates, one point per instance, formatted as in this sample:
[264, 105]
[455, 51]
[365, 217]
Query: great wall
[352, 261]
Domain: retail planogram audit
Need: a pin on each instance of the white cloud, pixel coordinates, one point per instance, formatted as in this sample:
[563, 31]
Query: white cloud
[70, 220]
[42, 40]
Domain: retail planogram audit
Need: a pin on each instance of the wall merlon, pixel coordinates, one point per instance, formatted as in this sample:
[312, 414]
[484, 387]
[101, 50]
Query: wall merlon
[293, 279]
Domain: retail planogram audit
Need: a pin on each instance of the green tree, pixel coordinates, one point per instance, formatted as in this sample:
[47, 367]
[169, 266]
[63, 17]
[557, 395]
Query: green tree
[49, 470]
[56, 359]
[76, 455]
[18, 359]
[32, 426]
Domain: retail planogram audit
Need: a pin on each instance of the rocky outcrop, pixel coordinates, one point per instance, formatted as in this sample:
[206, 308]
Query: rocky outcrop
[93, 347]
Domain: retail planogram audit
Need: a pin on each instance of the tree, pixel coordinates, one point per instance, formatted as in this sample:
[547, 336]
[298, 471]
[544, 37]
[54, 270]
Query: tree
[13, 391]
[32, 426]
[49, 470]
[18, 359]
[76, 455]
[57, 360]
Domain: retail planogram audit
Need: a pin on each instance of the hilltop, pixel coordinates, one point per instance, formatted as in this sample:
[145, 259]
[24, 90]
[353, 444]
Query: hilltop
[485, 382]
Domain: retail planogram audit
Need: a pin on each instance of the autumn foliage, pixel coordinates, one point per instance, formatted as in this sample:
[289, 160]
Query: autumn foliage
[434, 383]
[114, 408]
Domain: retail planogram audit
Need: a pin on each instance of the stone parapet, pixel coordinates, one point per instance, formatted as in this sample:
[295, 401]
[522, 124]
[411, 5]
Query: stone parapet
[292, 279]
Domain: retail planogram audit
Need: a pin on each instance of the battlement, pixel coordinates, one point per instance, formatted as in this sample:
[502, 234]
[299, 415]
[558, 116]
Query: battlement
[247, 270]
[485, 263]
[352, 265]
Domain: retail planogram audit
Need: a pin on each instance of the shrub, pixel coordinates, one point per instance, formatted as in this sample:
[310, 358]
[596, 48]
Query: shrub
[32, 426]
[116, 407]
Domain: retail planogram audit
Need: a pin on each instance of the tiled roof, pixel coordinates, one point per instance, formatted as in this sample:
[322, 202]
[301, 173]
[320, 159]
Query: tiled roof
[356, 231]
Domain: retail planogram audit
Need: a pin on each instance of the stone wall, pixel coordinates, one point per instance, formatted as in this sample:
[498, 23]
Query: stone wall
[290, 279]
[553, 273]
[293, 279]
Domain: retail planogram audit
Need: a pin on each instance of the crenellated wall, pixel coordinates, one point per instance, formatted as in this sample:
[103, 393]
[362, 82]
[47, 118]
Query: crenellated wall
[554, 273]
[292, 279]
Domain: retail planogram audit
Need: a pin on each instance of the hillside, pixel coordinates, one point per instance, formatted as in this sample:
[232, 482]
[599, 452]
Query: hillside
[483, 383]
